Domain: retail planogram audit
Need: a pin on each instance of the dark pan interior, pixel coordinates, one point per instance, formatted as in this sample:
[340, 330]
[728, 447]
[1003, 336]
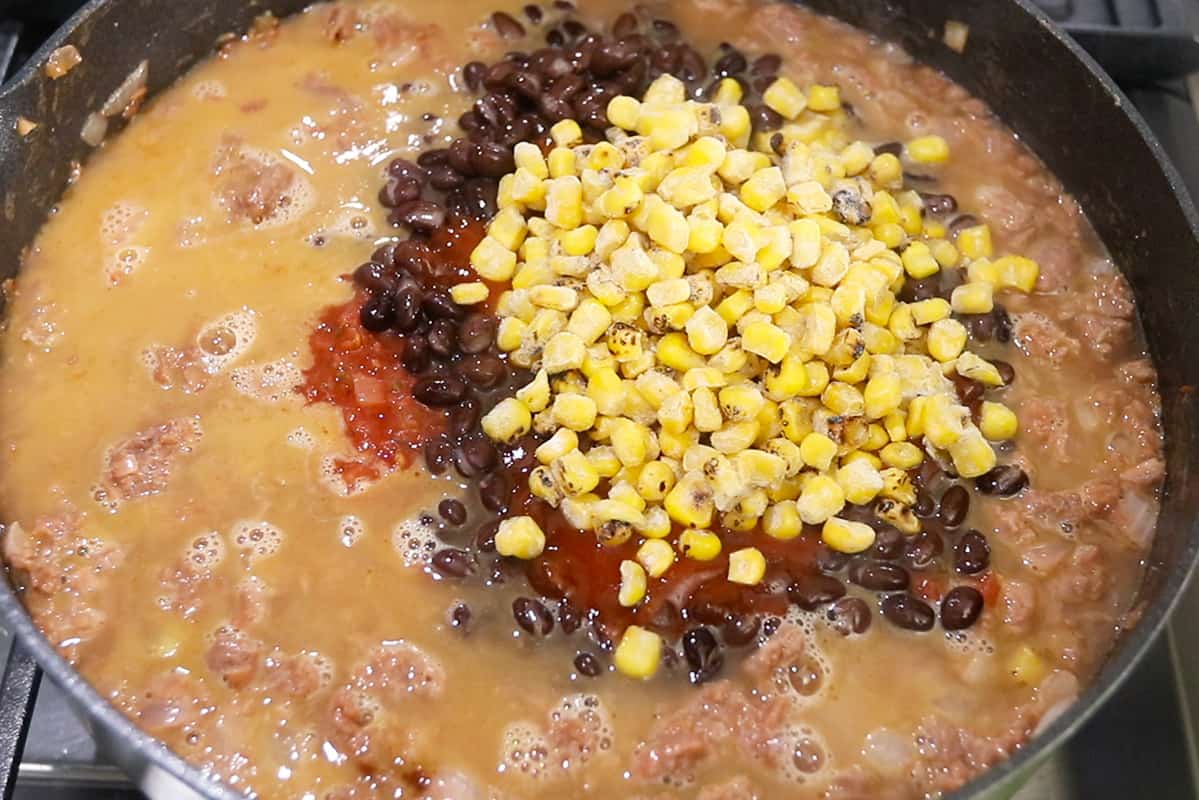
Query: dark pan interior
[1034, 78]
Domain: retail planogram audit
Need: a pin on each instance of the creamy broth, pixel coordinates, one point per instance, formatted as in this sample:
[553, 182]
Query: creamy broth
[164, 480]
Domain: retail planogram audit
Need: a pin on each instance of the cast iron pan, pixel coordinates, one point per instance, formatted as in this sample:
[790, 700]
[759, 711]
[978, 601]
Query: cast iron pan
[1038, 81]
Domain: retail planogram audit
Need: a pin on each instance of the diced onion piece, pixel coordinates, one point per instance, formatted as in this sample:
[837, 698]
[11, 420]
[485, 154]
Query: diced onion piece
[956, 34]
[94, 128]
[134, 82]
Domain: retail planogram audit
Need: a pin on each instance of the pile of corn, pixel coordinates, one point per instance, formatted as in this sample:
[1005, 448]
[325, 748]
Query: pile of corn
[716, 336]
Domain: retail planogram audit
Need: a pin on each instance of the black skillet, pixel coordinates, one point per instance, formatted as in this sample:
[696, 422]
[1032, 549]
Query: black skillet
[1035, 78]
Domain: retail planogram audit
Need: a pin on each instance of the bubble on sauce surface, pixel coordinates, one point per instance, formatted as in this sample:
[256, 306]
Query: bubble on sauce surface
[296, 200]
[120, 221]
[205, 552]
[524, 751]
[256, 539]
[809, 677]
[415, 540]
[211, 89]
[889, 752]
[969, 642]
[226, 339]
[269, 382]
[581, 728]
[123, 261]
[349, 530]
[301, 438]
[803, 754]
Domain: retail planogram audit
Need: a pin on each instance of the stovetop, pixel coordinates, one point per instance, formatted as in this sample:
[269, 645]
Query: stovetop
[1140, 744]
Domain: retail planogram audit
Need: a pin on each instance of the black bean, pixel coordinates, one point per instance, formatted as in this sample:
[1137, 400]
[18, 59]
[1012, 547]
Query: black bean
[1006, 371]
[908, 611]
[398, 191]
[373, 277]
[849, 615]
[830, 560]
[665, 28]
[464, 417]
[878, 576]
[404, 169]
[495, 491]
[534, 13]
[574, 28]
[691, 64]
[452, 562]
[955, 503]
[764, 118]
[407, 309]
[921, 551]
[963, 221]
[809, 592]
[480, 194]
[460, 616]
[452, 511]
[555, 37]
[960, 608]
[485, 536]
[378, 314]
[413, 255]
[925, 506]
[475, 457]
[588, 665]
[439, 305]
[569, 617]
[532, 616]
[982, 326]
[970, 391]
[762, 82]
[439, 391]
[416, 355]
[437, 455]
[1005, 480]
[939, 204]
[472, 75]
[731, 63]
[445, 177]
[476, 334]
[739, 630]
[625, 25]
[1003, 324]
[493, 160]
[768, 64]
[424, 216]
[564, 5]
[971, 554]
[443, 337]
[506, 26]
[703, 654]
[484, 370]
[430, 158]
[888, 544]
[551, 63]
[889, 148]
[778, 143]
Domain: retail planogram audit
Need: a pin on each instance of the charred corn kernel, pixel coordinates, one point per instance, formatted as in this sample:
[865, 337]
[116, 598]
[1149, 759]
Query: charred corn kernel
[818, 451]
[898, 515]
[781, 521]
[974, 297]
[766, 340]
[624, 112]
[655, 480]
[972, 454]
[788, 451]
[882, 395]
[573, 473]
[542, 485]
[997, 422]
[508, 421]
[894, 423]
[926, 312]
[946, 339]
[843, 399]
[846, 536]
[574, 411]
[675, 351]
[821, 498]
[656, 524]
[886, 169]
[468, 294]
[690, 502]
[656, 556]
[918, 261]
[902, 455]
[604, 460]
[699, 545]
[824, 98]
[740, 402]
[614, 521]
[785, 97]
[860, 480]
[492, 261]
[563, 352]
[946, 254]
[520, 537]
[675, 413]
[971, 366]
[747, 566]
[928, 150]
[639, 652]
[566, 133]
[625, 342]
[975, 242]
[562, 442]
[1017, 272]
[536, 393]
[763, 189]
[733, 437]
[1026, 667]
[667, 292]
[632, 584]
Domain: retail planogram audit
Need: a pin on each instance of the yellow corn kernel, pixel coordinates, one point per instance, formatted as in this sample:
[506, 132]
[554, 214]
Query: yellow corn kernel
[607, 391]
[846, 536]
[580, 241]
[624, 111]
[972, 454]
[926, 312]
[699, 545]
[788, 451]
[876, 437]
[508, 421]
[542, 485]
[766, 340]
[975, 242]
[785, 97]
[632, 584]
[508, 227]
[1017, 272]
[675, 351]
[510, 333]
[946, 339]
[667, 226]
[818, 451]
[566, 133]
[735, 125]
[655, 480]
[690, 502]
[675, 413]
[843, 399]
[656, 556]
[763, 189]
[824, 98]
[630, 441]
[943, 421]
[563, 352]
[1027, 667]
[971, 366]
[640, 651]
[605, 156]
[561, 161]
[918, 261]
[974, 297]
[946, 254]
[856, 157]
[981, 270]
[520, 537]
[860, 480]
[821, 498]
[562, 442]
[589, 320]
[928, 150]
[901, 455]
[787, 379]
[891, 234]
[747, 566]
[728, 92]
[997, 422]
[706, 410]
[564, 202]
[733, 437]
[882, 395]
[740, 402]
[492, 261]
[604, 459]
[685, 187]
[573, 473]
[623, 198]
[468, 294]
[667, 128]
[667, 292]
[895, 425]
[706, 234]
[528, 156]
[781, 521]
[574, 411]
[886, 170]
[536, 393]
[656, 524]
